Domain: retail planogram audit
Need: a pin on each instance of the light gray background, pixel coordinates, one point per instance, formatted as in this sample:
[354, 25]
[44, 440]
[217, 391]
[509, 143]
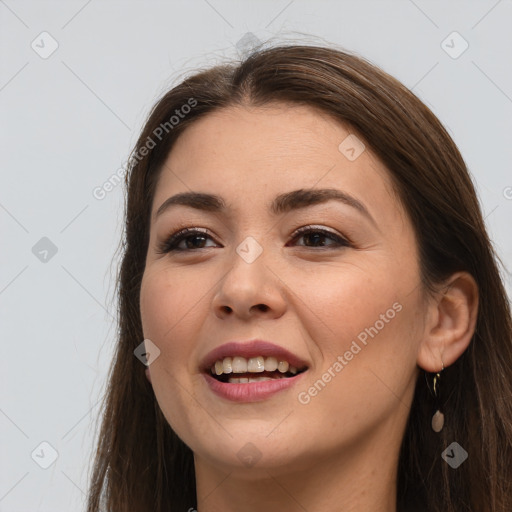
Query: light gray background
[68, 123]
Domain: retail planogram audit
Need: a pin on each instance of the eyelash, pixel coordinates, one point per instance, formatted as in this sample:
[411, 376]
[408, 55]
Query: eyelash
[172, 242]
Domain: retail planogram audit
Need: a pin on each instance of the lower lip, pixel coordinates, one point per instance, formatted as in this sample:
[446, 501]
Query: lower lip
[250, 391]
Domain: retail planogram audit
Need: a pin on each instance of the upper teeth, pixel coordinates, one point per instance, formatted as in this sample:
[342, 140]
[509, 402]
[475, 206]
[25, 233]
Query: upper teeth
[253, 365]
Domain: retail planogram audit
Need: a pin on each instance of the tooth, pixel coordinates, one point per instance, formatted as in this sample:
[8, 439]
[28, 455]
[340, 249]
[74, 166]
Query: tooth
[218, 367]
[256, 364]
[226, 365]
[233, 380]
[270, 364]
[283, 366]
[239, 364]
[243, 380]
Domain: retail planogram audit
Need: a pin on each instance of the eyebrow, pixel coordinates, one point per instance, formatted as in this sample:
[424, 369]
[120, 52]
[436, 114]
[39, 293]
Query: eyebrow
[283, 203]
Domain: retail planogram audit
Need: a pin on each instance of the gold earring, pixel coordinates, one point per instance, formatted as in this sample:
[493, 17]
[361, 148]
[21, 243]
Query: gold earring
[438, 417]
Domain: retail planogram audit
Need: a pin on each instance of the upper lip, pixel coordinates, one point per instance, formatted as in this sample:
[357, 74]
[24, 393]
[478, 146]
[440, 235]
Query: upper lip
[251, 348]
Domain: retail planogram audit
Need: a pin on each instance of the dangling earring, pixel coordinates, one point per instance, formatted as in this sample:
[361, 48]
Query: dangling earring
[438, 418]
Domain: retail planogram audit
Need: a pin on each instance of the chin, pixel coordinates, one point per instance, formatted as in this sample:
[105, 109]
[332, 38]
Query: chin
[255, 457]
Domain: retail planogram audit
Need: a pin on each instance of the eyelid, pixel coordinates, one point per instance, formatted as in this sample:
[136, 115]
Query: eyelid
[342, 240]
[162, 247]
[316, 227]
[170, 243]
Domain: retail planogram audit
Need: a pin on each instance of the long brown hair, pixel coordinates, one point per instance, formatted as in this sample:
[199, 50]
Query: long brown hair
[141, 464]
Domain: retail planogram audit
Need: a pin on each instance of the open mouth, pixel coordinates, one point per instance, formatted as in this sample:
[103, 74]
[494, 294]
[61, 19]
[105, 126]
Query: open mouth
[246, 377]
[240, 370]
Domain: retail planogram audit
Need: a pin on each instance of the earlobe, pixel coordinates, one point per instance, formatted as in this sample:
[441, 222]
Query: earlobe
[453, 313]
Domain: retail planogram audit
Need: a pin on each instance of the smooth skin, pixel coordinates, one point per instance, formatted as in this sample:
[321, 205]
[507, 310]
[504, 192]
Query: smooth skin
[307, 293]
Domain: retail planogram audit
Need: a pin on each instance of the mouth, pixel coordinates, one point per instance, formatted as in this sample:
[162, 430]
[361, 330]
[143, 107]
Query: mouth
[251, 371]
[241, 370]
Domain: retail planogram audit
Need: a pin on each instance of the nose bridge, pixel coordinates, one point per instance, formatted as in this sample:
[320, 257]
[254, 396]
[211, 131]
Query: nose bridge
[247, 264]
[250, 249]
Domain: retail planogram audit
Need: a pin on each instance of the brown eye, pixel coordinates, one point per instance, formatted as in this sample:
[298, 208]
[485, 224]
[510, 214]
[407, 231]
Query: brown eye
[317, 236]
[193, 238]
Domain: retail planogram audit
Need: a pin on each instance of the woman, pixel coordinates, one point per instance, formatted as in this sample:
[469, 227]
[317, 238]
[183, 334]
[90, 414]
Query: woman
[301, 215]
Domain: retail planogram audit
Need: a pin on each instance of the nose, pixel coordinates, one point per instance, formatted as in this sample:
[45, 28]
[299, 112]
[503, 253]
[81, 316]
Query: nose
[249, 290]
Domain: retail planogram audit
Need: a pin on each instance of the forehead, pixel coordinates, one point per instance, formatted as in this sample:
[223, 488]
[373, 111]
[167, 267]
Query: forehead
[251, 154]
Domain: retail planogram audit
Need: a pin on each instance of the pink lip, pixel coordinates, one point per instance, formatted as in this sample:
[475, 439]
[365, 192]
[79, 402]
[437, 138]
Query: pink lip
[251, 348]
[250, 391]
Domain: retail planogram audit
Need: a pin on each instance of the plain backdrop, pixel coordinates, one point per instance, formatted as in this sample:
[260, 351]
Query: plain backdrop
[77, 80]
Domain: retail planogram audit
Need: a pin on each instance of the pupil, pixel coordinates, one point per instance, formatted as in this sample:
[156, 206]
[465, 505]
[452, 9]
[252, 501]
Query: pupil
[313, 235]
[194, 245]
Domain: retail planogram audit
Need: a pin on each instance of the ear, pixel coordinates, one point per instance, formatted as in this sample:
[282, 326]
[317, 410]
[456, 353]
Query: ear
[450, 323]
[148, 375]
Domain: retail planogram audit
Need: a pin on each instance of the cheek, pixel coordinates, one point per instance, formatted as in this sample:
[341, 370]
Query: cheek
[168, 316]
[363, 323]
[166, 300]
[366, 340]
[341, 301]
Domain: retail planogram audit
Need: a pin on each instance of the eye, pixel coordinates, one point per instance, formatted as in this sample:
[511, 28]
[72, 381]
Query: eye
[195, 238]
[317, 235]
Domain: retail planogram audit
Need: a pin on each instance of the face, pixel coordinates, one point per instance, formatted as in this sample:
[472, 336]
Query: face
[342, 295]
